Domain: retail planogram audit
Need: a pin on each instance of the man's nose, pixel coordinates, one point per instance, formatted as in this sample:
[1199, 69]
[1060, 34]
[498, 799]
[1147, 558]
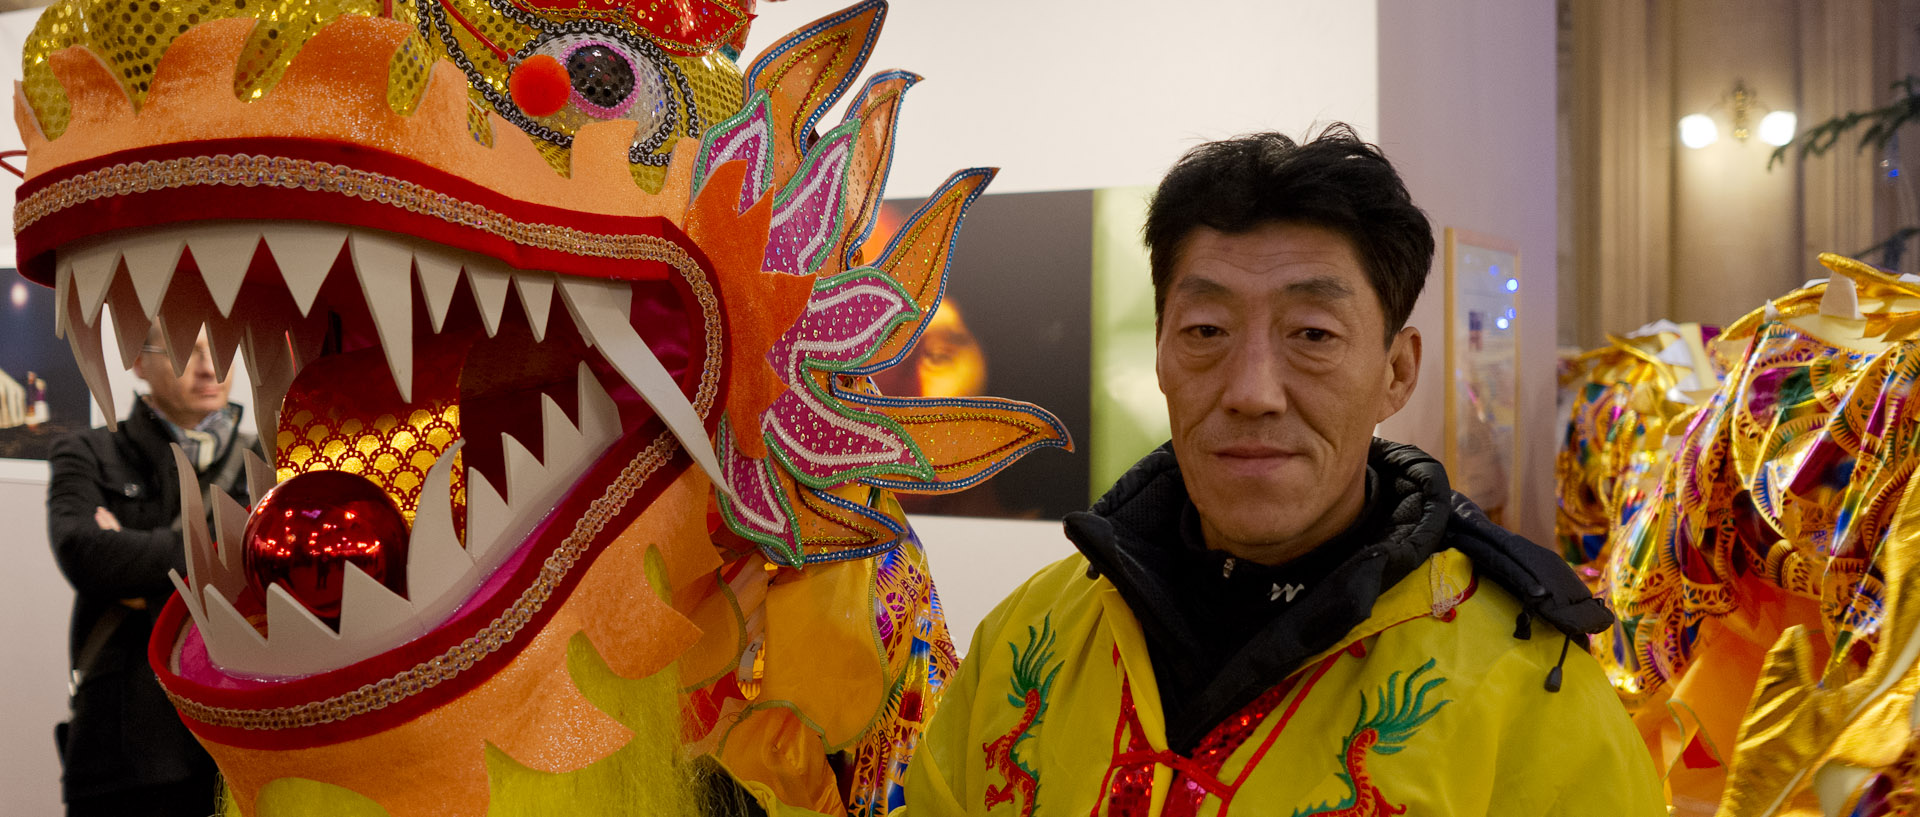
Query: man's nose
[1256, 379]
[200, 364]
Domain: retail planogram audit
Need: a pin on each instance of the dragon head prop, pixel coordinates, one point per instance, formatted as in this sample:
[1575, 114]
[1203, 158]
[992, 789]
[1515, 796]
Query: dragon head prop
[591, 307]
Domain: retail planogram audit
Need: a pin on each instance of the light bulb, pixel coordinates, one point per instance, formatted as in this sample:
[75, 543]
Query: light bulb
[1777, 128]
[1698, 131]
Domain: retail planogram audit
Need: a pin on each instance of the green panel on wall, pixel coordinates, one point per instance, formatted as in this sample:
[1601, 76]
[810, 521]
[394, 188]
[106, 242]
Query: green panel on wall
[1129, 415]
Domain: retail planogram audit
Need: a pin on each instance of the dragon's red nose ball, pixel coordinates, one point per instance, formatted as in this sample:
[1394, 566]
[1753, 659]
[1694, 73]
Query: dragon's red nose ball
[306, 529]
[540, 85]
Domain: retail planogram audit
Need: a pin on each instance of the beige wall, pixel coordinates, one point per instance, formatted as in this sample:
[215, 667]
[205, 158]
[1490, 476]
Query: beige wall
[1467, 115]
[1658, 230]
[1736, 226]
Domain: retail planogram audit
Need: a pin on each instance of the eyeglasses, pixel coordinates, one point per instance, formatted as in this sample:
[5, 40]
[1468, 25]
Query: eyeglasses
[200, 355]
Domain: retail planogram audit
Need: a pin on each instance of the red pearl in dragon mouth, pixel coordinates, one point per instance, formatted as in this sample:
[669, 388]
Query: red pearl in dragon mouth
[305, 530]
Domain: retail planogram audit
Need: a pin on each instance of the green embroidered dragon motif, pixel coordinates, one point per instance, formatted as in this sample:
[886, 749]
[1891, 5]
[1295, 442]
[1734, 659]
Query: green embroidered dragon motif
[1401, 710]
[1030, 695]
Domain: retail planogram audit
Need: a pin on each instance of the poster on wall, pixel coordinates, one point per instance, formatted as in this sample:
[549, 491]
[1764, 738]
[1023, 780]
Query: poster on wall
[41, 393]
[1013, 323]
[1483, 286]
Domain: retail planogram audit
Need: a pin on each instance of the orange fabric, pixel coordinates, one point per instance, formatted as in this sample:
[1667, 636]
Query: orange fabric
[336, 88]
[774, 747]
[800, 79]
[620, 611]
[823, 652]
[711, 608]
[436, 764]
[531, 710]
[760, 305]
[919, 258]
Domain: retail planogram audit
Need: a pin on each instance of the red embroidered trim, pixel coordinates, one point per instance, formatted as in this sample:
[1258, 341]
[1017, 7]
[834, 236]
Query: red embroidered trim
[1128, 784]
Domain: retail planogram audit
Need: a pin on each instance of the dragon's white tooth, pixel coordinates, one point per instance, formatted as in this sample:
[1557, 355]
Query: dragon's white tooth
[62, 284]
[224, 252]
[489, 520]
[84, 340]
[369, 611]
[439, 275]
[180, 332]
[300, 642]
[563, 448]
[130, 324]
[260, 475]
[489, 282]
[93, 269]
[384, 268]
[232, 642]
[188, 596]
[305, 253]
[151, 259]
[530, 488]
[435, 560]
[599, 417]
[536, 294]
[229, 526]
[270, 366]
[201, 569]
[600, 308]
[223, 339]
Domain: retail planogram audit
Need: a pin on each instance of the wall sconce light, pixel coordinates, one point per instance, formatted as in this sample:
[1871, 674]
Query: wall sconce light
[1776, 127]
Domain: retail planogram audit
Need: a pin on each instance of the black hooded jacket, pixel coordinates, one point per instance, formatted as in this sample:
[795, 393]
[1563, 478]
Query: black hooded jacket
[1213, 656]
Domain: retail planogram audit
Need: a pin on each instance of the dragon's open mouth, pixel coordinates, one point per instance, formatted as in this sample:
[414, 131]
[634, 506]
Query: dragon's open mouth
[479, 398]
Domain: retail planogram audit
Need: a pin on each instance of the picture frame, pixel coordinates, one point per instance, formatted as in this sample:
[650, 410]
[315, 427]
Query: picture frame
[1482, 365]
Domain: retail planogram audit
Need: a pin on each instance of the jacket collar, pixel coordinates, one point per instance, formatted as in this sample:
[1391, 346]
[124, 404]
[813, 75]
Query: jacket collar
[1131, 537]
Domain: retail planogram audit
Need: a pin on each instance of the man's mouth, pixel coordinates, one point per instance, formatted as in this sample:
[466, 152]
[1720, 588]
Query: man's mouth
[476, 396]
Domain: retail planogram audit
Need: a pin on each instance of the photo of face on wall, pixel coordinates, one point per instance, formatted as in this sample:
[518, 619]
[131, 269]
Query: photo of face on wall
[1014, 322]
[41, 393]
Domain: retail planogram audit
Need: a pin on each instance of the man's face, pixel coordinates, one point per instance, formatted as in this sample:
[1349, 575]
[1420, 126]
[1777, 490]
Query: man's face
[1271, 355]
[189, 396]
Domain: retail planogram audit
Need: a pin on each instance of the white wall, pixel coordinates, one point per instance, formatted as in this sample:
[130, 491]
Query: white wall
[1082, 94]
[1467, 115]
[34, 602]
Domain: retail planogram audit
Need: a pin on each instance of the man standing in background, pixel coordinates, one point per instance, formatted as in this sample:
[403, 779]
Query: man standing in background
[113, 516]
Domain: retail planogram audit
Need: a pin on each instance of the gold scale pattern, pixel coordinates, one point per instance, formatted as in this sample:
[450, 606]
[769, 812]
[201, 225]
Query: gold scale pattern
[393, 453]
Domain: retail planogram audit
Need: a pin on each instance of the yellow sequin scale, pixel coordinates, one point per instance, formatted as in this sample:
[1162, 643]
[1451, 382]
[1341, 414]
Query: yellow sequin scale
[131, 36]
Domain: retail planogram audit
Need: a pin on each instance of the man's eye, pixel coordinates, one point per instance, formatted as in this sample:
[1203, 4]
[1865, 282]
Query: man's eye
[1316, 335]
[1205, 331]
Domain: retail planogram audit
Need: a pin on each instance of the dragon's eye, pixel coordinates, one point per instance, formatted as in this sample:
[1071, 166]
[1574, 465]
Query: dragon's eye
[601, 76]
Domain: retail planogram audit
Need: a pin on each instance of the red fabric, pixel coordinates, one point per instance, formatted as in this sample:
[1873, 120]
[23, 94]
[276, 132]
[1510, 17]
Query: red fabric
[230, 202]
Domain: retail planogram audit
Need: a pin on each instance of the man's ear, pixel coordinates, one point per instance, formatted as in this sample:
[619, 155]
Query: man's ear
[1403, 371]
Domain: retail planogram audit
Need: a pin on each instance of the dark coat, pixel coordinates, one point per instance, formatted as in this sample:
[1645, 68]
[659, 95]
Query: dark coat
[124, 731]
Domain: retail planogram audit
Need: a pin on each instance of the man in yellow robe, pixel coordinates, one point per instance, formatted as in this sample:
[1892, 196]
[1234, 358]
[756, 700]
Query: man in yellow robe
[1276, 613]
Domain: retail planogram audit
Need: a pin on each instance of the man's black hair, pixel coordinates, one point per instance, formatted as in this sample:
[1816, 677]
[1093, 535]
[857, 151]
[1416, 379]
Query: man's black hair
[1335, 181]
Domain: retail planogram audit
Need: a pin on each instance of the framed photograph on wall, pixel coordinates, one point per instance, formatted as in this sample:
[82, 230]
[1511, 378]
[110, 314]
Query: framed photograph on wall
[41, 393]
[1483, 300]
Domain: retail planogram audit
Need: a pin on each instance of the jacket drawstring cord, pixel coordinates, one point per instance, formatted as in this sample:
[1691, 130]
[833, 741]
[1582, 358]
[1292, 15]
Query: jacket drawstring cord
[1553, 675]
